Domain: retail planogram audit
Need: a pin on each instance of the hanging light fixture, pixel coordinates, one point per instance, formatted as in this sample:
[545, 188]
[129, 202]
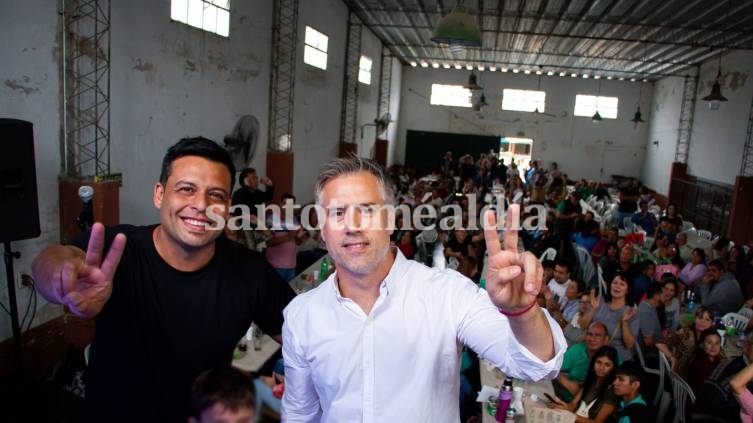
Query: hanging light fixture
[458, 30]
[637, 118]
[477, 92]
[715, 97]
[597, 117]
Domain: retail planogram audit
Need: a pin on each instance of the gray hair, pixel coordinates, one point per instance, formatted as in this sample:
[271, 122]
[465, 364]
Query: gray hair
[353, 164]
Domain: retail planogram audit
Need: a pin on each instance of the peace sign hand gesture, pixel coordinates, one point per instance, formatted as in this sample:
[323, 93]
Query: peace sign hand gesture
[85, 286]
[513, 280]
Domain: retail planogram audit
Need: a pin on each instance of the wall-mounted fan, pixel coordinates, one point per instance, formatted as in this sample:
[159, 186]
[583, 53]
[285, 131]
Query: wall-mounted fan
[241, 143]
[380, 124]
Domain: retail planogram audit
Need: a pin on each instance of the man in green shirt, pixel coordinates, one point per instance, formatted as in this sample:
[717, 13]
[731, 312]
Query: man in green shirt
[575, 363]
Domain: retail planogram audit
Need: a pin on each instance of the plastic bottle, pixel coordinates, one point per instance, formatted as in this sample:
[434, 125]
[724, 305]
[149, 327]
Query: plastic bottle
[324, 270]
[505, 398]
[510, 415]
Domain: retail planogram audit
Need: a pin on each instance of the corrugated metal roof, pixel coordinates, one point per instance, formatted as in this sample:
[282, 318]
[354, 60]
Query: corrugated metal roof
[642, 39]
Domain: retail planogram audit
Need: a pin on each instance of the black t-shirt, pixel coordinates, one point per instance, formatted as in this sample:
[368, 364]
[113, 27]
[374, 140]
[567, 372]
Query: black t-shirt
[626, 205]
[161, 327]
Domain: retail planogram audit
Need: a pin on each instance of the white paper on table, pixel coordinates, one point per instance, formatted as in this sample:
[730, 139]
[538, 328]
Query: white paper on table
[486, 392]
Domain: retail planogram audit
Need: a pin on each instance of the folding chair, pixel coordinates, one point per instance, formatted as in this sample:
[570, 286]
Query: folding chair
[681, 393]
[703, 234]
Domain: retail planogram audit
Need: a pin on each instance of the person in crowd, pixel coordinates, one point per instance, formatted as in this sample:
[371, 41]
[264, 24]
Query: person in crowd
[222, 394]
[740, 268]
[685, 251]
[169, 300]
[575, 363]
[624, 266]
[407, 245]
[740, 385]
[673, 218]
[643, 280]
[680, 345]
[618, 315]
[575, 331]
[284, 235]
[600, 249]
[310, 246]
[567, 213]
[627, 197]
[627, 385]
[249, 194]
[646, 196]
[707, 356]
[611, 256]
[560, 281]
[694, 270]
[377, 295]
[564, 309]
[650, 329]
[721, 249]
[719, 290]
[588, 236]
[269, 390]
[596, 400]
[673, 255]
[645, 219]
[671, 316]
[718, 393]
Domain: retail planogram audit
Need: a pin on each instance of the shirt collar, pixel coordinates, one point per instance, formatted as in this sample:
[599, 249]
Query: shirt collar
[398, 267]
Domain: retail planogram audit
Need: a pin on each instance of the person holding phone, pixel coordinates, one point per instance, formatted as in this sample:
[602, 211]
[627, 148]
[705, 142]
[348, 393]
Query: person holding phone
[595, 401]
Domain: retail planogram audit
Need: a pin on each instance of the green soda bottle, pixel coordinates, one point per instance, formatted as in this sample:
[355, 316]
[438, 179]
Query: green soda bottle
[323, 271]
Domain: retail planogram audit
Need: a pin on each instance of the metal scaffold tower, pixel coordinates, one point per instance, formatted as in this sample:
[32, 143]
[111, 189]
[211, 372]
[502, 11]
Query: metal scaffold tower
[282, 85]
[746, 168]
[86, 87]
[686, 117]
[349, 116]
[385, 81]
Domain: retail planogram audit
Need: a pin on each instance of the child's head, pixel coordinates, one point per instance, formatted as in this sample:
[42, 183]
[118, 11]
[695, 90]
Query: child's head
[222, 394]
[627, 382]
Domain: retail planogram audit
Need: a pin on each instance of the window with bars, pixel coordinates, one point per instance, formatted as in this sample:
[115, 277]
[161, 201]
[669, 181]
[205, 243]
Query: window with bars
[315, 48]
[209, 15]
[450, 95]
[587, 105]
[523, 100]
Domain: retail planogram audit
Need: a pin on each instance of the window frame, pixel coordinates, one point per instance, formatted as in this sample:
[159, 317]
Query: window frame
[528, 98]
[316, 47]
[362, 71]
[448, 88]
[220, 8]
[605, 110]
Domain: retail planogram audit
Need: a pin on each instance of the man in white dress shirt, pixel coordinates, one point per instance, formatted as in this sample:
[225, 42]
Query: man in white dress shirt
[380, 339]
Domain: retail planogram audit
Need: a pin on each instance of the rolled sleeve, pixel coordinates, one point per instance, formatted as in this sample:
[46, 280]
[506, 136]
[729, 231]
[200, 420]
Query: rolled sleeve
[486, 331]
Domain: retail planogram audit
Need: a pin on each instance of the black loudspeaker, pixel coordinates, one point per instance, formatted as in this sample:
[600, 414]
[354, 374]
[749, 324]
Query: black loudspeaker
[19, 210]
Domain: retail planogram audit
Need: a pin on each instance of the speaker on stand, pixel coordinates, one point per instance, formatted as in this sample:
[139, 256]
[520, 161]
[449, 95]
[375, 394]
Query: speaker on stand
[19, 211]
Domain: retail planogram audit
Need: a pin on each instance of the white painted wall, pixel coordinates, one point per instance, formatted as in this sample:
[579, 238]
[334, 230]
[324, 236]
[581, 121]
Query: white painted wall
[718, 136]
[392, 129]
[368, 95]
[662, 133]
[583, 149]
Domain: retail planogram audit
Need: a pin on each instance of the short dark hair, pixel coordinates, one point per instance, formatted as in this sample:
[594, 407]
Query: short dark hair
[633, 371]
[563, 263]
[200, 147]
[225, 385]
[245, 172]
[547, 264]
[719, 264]
[653, 289]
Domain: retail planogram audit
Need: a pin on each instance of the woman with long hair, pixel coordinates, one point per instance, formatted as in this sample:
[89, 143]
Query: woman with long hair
[679, 346]
[707, 356]
[595, 401]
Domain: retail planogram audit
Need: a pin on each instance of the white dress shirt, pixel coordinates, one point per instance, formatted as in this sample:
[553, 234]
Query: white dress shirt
[400, 363]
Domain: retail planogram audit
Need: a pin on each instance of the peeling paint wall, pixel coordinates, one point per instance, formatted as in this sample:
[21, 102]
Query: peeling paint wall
[661, 143]
[582, 148]
[30, 91]
[718, 136]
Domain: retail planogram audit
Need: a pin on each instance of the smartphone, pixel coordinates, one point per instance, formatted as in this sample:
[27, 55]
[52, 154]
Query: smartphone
[556, 298]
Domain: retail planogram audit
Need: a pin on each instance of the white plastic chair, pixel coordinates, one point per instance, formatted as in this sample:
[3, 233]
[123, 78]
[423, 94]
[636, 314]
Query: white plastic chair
[703, 234]
[745, 312]
[739, 321]
[687, 226]
[681, 392]
[548, 254]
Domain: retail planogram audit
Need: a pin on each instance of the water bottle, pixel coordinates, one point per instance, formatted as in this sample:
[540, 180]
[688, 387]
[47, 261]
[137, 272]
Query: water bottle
[510, 415]
[505, 398]
[323, 271]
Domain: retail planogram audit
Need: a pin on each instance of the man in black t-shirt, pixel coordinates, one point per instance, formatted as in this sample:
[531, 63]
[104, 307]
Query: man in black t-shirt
[627, 197]
[169, 300]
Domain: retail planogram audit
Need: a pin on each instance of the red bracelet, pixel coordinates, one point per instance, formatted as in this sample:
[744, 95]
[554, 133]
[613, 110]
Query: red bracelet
[518, 313]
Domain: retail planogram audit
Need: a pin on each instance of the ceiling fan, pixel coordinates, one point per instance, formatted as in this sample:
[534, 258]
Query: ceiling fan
[380, 124]
[538, 88]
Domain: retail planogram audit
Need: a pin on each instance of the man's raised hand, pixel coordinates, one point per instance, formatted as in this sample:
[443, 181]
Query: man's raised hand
[85, 286]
